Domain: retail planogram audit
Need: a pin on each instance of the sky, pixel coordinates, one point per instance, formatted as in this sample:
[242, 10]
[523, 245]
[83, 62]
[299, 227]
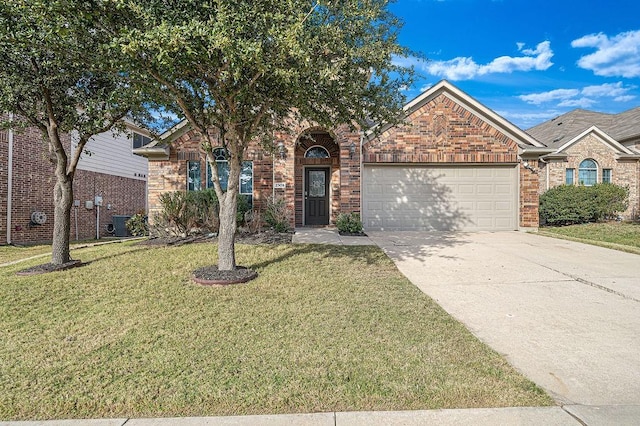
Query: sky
[528, 60]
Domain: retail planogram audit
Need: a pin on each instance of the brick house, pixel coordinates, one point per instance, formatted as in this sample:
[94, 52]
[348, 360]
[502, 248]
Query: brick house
[453, 165]
[591, 147]
[109, 169]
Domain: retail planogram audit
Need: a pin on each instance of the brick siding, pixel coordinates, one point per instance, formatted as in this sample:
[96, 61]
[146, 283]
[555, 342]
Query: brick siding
[33, 183]
[624, 172]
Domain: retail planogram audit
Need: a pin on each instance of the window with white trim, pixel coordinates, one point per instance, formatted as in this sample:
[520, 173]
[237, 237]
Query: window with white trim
[568, 178]
[606, 176]
[588, 172]
[194, 179]
[246, 175]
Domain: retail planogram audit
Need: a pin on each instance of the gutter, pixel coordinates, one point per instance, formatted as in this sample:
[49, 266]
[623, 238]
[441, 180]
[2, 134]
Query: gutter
[10, 180]
[535, 152]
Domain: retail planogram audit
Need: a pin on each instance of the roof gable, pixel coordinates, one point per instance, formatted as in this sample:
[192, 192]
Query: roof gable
[445, 88]
[601, 136]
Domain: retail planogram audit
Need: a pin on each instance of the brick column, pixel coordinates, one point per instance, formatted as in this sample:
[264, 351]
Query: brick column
[529, 195]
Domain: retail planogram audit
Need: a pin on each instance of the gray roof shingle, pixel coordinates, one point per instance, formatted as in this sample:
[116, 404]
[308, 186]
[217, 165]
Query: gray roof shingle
[560, 130]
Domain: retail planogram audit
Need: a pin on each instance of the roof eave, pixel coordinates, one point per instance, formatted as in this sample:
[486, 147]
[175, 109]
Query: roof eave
[628, 157]
[153, 153]
[535, 152]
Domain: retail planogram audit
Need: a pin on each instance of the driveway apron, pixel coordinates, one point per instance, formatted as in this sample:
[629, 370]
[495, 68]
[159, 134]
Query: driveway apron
[565, 314]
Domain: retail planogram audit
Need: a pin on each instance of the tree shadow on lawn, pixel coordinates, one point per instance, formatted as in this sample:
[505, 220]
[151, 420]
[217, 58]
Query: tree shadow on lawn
[45, 268]
[417, 247]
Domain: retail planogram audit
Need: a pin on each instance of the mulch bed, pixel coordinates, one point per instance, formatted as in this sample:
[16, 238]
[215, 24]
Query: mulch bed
[265, 237]
[211, 276]
[49, 267]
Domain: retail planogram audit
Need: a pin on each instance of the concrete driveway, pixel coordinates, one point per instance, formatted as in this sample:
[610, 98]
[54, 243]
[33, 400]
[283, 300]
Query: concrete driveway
[565, 314]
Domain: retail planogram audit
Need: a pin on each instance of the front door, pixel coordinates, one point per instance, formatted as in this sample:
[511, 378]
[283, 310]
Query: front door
[316, 197]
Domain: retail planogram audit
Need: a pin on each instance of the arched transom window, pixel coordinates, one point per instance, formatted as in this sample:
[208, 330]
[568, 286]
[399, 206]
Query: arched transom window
[317, 152]
[588, 172]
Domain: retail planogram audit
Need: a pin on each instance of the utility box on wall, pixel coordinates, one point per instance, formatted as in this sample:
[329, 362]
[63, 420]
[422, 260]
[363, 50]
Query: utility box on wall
[120, 225]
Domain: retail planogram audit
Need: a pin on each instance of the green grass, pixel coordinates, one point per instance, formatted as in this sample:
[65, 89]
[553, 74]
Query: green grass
[617, 235]
[11, 253]
[323, 328]
[14, 253]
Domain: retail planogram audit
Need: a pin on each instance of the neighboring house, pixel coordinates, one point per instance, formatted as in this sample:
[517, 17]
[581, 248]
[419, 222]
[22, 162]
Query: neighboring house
[454, 165]
[591, 147]
[107, 169]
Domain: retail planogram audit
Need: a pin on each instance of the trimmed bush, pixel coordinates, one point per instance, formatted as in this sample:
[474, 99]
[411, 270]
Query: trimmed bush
[573, 204]
[349, 223]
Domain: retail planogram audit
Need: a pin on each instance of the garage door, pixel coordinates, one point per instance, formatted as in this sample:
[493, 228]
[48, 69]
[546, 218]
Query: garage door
[467, 198]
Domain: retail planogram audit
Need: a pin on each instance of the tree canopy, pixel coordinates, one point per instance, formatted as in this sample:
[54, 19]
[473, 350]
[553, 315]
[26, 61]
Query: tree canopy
[58, 74]
[248, 67]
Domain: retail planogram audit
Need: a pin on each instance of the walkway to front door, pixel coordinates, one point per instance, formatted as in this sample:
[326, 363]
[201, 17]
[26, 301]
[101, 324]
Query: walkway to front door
[316, 196]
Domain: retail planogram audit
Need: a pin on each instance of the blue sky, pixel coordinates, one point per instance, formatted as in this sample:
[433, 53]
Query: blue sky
[528, 60]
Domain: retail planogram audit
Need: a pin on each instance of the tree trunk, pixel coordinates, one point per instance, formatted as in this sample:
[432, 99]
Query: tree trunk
[63, 201]
[227, 231]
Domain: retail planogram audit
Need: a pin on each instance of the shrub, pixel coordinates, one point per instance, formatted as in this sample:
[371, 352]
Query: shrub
[189, 212]
[571, 204]
[349, 223]
[609, 200]
[276, 215]
[243, 207]
[137, 225]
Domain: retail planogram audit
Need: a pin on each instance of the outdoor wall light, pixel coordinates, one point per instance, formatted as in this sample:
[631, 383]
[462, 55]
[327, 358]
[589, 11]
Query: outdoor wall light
[352, 150]
[282, 151]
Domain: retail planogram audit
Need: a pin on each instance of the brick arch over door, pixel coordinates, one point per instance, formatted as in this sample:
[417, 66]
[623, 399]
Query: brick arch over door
[309, 139]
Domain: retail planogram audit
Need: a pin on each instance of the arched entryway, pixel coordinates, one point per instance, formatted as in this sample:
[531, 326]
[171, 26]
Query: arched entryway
[317, 178]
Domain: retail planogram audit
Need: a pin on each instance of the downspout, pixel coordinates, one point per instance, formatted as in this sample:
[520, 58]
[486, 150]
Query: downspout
[546, 184]
[361, 171]
[10, 180]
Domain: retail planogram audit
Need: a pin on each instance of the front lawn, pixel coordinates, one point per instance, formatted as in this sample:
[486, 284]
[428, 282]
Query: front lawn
[323, 328]
[616, 235]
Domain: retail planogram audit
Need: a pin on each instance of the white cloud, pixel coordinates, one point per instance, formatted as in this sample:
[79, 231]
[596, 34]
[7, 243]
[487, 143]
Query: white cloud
[607, 89]
[582, 98]
[577, 103]
[552, 95]
[526, 119]
[614, 56]
[625, 98]
[465, 68]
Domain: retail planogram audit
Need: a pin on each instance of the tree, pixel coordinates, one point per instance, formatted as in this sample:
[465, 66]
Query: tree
[240, 69]
[58, 75]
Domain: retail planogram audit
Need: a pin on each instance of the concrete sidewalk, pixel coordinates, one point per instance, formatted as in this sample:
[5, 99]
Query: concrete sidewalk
[525, 416]
[328, 236]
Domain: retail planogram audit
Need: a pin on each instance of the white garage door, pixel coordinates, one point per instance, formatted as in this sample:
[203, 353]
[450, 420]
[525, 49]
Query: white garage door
[468, 198]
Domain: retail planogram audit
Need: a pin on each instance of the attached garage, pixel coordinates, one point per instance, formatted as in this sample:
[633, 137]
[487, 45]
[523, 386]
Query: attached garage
[440, 198]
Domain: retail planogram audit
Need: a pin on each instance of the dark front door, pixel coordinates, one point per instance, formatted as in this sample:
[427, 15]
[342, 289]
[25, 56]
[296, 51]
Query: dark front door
[316, 197]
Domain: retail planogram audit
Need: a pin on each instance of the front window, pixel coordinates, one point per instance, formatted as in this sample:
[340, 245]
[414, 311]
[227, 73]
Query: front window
[193, 176]
[140, 140]
[588, 173]
[569, 176]
[606, 175]
[246, 175]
